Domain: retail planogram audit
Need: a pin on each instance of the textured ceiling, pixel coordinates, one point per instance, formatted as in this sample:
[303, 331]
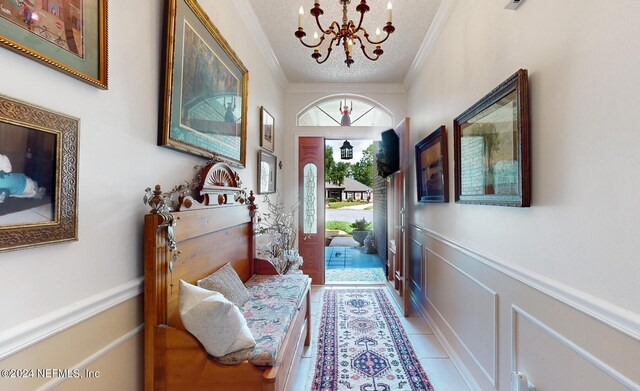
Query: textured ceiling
[279, 20]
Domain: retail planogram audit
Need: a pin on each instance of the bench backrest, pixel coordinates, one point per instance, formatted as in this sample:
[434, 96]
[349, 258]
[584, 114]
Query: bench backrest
[206, 240]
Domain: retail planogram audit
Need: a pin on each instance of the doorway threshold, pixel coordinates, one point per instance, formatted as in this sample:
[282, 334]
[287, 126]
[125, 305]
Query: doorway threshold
[343, 284]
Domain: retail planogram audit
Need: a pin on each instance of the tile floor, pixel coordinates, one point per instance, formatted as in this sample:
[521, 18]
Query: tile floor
[349, 257]
[349, 264]
[435, 361]
[40, 214]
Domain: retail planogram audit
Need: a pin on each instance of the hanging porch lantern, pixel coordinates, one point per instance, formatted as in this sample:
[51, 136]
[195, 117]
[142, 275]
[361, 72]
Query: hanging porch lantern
[346, 151]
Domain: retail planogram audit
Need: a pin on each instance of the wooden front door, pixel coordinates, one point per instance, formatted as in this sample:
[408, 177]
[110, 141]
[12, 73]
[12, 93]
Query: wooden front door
[397, 229]
[311, 208]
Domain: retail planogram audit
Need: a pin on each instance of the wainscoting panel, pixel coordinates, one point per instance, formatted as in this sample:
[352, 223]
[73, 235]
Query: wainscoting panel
[103, 352]
[469, 310]
[531, 338]
[492, 323]
[416, 282]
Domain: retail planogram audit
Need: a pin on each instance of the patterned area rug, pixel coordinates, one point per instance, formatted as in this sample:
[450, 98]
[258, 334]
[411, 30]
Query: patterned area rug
[363, 347]
[365, 275]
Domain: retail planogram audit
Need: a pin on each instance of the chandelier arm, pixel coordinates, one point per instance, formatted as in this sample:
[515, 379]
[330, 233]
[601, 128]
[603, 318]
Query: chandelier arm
[312, 46]
[366, 36]
[359, 23]
[331, 26]
[353, 30]
[329, 49]
[365, 52]
[326, 58]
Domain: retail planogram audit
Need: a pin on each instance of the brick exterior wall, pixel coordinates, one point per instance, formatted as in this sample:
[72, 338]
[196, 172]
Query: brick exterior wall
[380, 211]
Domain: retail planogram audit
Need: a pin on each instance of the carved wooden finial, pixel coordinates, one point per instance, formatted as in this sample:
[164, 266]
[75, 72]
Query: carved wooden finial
[252, 205]
[156, 200]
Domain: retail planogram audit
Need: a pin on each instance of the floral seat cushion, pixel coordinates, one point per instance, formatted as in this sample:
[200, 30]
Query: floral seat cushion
[288, 287]
[273, 305]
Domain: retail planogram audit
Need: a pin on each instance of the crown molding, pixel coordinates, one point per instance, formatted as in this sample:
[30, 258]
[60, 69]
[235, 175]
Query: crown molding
[255, 30]
[345, 88]
[438, 24]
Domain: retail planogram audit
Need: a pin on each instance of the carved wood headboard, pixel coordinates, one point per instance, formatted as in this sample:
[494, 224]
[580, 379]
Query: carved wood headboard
[194, 241]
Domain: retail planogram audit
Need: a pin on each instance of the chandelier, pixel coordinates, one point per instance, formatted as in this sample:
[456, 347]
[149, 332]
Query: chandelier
[346, 34]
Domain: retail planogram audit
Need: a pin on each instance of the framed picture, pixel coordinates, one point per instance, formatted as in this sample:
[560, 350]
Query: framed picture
[67, 35]
[266, 172]
[267, 130]
[205, 88]
[491, 145]
[432, 167]
[38, 176]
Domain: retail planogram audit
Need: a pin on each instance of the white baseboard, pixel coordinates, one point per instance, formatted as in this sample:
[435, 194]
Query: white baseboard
[29, 333]
[620, 319]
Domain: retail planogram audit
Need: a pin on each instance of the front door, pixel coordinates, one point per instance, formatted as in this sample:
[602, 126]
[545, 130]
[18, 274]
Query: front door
[311, 208]
[397, 222]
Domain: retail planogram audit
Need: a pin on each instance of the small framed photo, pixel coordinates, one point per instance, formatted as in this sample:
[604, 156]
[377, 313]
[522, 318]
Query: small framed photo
[266, 172]
[491, 145]
[267, 130]
[432, 167]
[38, 176]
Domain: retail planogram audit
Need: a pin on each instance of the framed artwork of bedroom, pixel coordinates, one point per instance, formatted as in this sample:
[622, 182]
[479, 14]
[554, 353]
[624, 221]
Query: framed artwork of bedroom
[491, 145]
[204, 104]
[70, 36]
[432, 171]
[38, 175]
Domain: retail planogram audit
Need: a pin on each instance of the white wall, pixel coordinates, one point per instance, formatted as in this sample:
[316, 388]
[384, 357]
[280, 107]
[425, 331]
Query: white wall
[563, 273]
[118, 157]
[582, 229]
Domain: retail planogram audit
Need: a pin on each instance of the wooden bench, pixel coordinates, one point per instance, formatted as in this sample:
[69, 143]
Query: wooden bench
[206, 238]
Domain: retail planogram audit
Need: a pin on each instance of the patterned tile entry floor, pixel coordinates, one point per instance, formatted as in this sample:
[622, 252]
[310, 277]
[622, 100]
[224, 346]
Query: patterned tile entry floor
[350, 264]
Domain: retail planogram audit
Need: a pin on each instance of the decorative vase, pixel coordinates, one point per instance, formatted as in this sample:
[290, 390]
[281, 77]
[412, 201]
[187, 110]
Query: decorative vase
[359, 236]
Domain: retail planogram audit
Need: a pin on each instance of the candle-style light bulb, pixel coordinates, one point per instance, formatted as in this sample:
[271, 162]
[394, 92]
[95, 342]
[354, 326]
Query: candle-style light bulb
[378, 34]
[315, 37]
[300, 15]
[389, 12]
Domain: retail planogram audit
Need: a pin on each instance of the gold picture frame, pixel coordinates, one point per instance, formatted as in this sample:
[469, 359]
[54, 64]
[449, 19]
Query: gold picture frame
[204, 107]
[38, 176]
[71, 37]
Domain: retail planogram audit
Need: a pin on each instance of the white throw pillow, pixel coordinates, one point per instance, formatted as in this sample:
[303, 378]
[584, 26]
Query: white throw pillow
[215, 321]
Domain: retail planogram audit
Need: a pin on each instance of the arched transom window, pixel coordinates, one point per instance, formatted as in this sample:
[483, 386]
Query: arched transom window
[330, 112]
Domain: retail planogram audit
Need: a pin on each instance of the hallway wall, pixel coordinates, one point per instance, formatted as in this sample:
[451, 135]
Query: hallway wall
[52, 295]
[553, 286]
